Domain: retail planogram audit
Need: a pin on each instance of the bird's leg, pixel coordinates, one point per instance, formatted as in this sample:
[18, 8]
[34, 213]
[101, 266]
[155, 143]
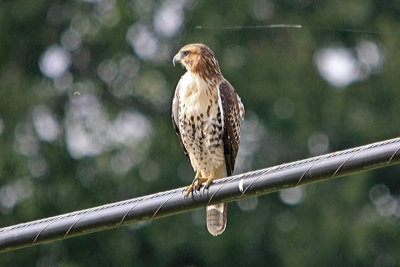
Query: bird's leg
[196, 183]
[209, 180]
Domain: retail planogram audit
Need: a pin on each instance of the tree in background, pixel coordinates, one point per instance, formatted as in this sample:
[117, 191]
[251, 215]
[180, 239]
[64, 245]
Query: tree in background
[85, 95]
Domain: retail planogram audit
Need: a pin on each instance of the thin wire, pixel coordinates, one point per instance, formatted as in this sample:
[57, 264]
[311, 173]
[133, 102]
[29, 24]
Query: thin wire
[391, 158]
[344, 162]
[295, 26]
[250, 27]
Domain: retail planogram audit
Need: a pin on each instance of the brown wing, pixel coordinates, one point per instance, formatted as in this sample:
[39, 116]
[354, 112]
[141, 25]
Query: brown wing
[175, 118]
[233, 112]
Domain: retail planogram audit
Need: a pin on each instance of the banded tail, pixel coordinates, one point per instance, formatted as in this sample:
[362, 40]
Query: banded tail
[216, 218]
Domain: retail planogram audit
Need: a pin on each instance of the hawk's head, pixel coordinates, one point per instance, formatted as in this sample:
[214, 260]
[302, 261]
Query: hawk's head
[199, 59]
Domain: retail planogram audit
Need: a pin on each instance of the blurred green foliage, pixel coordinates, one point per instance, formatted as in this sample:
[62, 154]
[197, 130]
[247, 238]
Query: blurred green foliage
[85, 93]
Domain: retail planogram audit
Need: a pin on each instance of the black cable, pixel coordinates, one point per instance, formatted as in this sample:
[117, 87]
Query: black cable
[372, 156]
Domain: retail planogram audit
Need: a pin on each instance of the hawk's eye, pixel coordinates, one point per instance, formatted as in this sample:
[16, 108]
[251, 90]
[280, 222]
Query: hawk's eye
[185, 53]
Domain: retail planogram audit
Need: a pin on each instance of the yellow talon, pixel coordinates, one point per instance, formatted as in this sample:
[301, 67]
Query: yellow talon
[208, 182]
[197, 181]
[188, 190]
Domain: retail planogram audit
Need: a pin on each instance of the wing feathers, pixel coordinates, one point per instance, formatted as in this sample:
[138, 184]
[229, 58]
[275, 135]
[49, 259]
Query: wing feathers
[175, 118]
[233, 111]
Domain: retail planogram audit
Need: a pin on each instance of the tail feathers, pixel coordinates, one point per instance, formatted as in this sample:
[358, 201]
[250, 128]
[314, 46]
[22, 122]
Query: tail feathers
[216, 218]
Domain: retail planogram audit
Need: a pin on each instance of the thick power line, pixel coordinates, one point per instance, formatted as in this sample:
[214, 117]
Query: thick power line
[372, 156]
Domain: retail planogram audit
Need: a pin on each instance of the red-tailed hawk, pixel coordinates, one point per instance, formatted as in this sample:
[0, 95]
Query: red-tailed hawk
[207, 115]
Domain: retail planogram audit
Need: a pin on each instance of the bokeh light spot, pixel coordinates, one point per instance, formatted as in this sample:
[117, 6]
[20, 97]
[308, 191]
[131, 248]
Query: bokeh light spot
[248, 204]
[291, 196]
[55, 61]
[46, 126]
[284, 108]
[318, 143]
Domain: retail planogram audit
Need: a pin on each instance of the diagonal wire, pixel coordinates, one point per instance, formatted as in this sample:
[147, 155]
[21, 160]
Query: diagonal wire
[324, 167]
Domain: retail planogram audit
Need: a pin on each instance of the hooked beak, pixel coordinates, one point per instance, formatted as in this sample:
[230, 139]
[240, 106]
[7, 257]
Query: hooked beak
[177, 58]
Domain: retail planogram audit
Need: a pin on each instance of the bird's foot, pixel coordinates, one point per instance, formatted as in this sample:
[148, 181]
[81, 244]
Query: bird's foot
[195, 185]
[209, 180]
[208, 183]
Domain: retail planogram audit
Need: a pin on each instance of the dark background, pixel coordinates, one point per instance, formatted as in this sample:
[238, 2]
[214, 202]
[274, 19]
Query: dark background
[85, 95]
